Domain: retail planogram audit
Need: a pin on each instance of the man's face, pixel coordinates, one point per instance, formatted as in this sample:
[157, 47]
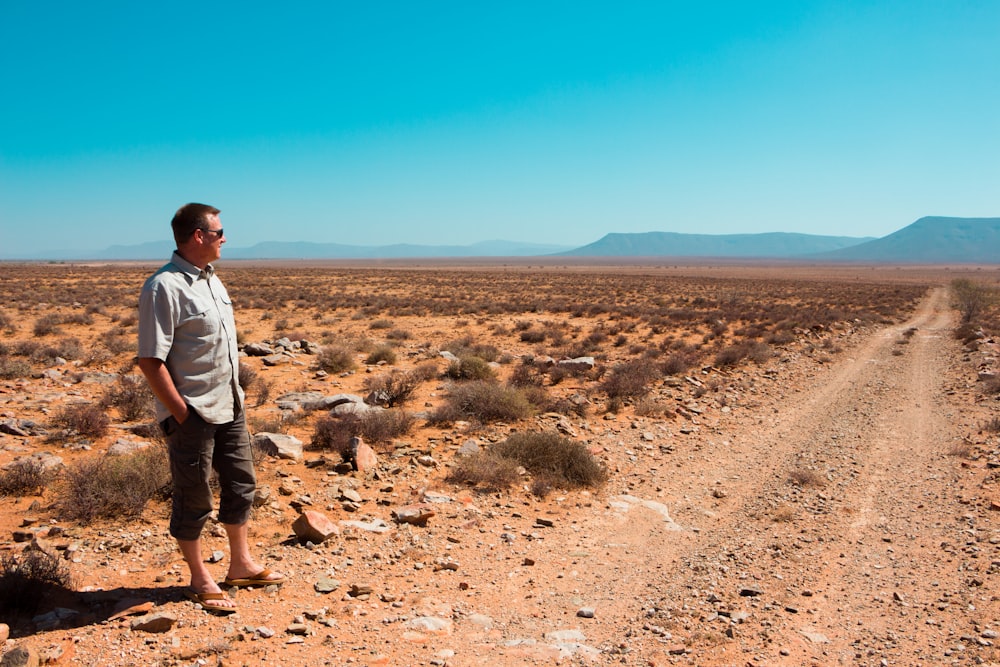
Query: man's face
[212, 238]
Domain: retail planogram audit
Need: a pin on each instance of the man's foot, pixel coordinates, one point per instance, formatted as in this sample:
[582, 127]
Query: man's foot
[219, 602]
[262, 578]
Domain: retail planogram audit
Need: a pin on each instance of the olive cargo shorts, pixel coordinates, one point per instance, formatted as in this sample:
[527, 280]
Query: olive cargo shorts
[195, 448]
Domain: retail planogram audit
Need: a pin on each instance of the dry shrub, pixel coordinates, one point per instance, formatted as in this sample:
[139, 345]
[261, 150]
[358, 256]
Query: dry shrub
[382, 426]
[47, 324]
[382, 353]
[991, 386]
[784, 513]
[754, 350]
[28, 578]
[246, 376]
[263, 391]
[23, 477]
[467, 347]
[557, 460]
[806, 478]
[13, 369]
[470, 368]
[132, 397]
[648, 406]
[83, 419]
[630, 379]
[333, 434]
[485, 470]
[483, 402]
[333, 359]
[392, 389]
[113, 486]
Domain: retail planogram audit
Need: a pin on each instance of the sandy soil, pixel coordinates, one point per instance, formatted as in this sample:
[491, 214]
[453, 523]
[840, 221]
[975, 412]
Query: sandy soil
[834, 513]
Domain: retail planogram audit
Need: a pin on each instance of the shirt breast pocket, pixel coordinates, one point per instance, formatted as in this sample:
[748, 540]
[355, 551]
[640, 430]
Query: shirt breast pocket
[198, 319]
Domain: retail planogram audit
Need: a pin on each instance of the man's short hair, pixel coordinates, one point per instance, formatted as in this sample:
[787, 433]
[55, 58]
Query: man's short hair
[189, 218]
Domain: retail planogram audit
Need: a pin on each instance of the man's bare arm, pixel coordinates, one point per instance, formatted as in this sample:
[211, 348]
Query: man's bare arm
[163, 386]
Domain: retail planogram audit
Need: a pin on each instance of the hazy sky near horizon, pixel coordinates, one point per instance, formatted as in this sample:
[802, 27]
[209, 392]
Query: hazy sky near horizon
[459, 122]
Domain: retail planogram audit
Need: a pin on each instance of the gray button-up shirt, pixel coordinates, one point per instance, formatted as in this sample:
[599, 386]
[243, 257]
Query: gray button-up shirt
[186, 320]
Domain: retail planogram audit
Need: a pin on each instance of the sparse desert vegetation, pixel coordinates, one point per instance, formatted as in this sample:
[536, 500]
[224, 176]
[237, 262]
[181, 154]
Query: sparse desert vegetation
[521, 404]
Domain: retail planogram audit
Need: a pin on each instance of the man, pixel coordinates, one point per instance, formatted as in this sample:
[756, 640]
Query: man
[187, 351]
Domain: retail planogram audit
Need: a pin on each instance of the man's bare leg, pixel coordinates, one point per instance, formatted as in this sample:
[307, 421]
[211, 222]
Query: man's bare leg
[241, 563]
[201, 578]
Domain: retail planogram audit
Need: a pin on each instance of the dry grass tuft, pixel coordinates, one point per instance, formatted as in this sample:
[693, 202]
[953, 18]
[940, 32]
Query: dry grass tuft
[113, 486]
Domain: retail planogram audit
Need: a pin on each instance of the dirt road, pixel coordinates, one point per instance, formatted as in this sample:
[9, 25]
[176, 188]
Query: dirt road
[834, 523]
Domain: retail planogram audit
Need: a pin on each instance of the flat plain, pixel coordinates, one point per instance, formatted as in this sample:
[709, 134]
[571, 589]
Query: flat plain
[798, 466]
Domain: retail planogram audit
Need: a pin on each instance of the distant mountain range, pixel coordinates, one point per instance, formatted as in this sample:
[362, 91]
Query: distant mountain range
[673, 244]
[929, 240]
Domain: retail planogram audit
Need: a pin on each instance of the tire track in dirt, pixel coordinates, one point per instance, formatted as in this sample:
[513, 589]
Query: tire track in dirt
[841, 565]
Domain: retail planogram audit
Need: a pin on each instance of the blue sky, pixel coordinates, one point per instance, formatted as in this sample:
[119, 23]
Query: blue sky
[453, 123]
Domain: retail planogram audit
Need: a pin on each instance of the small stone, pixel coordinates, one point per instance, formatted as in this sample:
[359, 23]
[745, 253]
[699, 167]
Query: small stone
[416, 515]
[314, 527]
[20, 657]
[264, 632]
[750, 591]
[161, 622]
[326, 585]
[216, 556]
[297, 629]
[585, 612]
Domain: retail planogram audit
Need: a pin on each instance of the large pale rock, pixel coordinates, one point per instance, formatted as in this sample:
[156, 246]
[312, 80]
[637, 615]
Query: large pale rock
[258, 349]
[314, 527]
[124, 446]
[576, 365]
[280, 445]
[329, 402]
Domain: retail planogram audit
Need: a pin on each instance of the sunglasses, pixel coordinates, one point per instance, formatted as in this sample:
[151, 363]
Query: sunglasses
[217, 232]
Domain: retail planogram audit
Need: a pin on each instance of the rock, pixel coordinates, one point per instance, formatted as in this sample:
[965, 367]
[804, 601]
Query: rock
[416, 515]
[10, 427]
[299, 400]
[565, 636]
[297, 629]
[21, 656]
[326, 585]
[354, 409]
[160, 622]
[258, 349]
[750, 591]
[445, 354]
[261, 496]
[280, 445]
[430, 624]
[468, 448]
[585, 612]
[43, 545]
[54, 618]
[216, 556]
[314, 527]
[578, 364]
[363, 457]
[814, 637]
[276, 359]
[373, 526]
[330, 402]
[123, 447]
[264, 632]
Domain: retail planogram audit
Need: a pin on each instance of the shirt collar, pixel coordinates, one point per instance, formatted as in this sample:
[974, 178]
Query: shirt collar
[192, 272]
